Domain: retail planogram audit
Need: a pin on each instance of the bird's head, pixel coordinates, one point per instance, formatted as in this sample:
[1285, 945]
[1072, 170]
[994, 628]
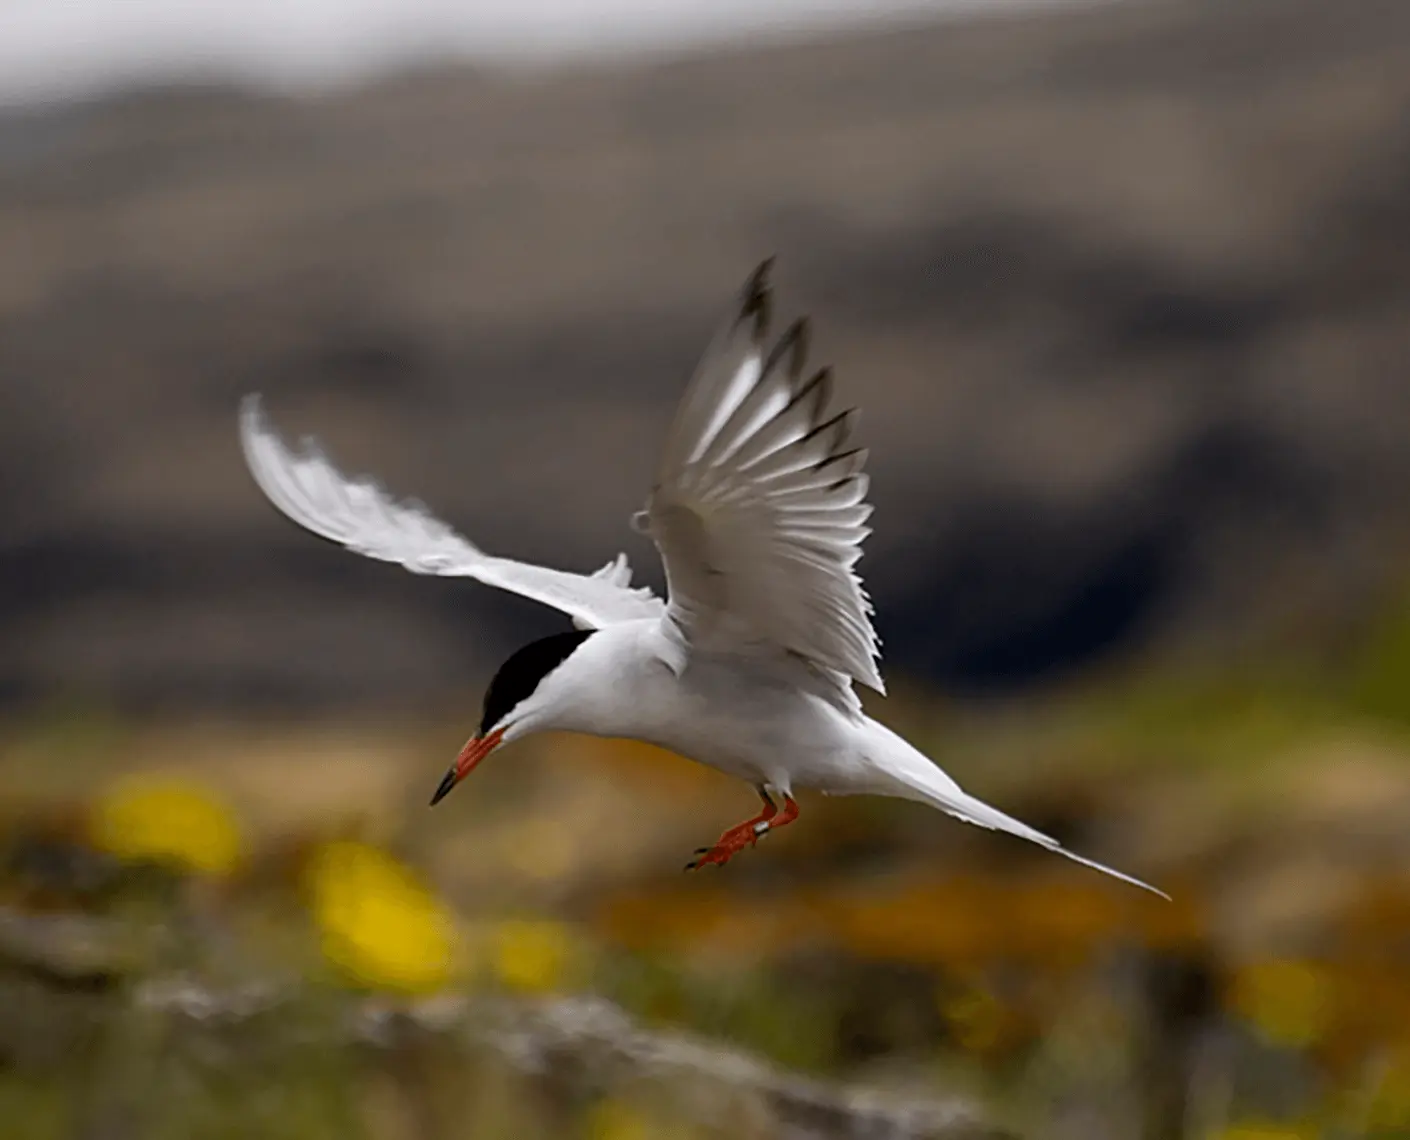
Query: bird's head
[521, 699]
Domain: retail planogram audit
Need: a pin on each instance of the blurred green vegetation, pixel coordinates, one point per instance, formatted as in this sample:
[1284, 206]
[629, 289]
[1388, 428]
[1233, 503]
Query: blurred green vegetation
[875, 941]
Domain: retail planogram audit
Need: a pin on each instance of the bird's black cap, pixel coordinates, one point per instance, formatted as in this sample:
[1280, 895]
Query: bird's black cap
[519, 676]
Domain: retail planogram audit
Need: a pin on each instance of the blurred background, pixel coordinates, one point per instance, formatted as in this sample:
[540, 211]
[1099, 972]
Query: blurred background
[1123, 291]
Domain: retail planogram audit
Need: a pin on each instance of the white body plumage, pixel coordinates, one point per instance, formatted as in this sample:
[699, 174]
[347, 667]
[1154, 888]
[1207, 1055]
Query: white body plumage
[764, 721]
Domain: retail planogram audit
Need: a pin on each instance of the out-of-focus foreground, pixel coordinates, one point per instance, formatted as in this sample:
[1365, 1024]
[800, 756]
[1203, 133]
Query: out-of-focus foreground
[1123, 294]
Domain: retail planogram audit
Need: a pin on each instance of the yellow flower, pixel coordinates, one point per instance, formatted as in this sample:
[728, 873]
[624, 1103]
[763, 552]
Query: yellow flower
[380, 924]
[167, 820]
[532, 956]
[1287, 1001]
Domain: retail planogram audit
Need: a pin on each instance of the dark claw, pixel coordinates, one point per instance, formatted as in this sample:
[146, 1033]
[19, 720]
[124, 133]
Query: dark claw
[702, 851]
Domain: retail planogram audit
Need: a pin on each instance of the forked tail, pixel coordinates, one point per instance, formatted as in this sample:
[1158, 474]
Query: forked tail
[912, 775]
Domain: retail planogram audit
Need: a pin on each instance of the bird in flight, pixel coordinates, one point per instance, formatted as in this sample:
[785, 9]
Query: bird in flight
[759, 510]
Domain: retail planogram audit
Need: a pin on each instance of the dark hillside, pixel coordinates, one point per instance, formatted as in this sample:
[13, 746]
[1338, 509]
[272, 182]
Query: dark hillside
[1124, 293]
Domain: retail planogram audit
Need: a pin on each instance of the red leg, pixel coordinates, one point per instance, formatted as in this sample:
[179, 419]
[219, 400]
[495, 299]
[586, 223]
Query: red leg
[736, 839]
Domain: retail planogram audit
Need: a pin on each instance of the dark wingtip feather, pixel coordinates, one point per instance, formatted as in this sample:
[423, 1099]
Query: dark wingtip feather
[802, 339]
[818, 389]
[840, 425]
[855, 459]
[793, 344]
[758, 299]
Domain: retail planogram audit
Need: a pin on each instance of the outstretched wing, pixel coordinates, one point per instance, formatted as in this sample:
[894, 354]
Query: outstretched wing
[360, 515]
[759, 504]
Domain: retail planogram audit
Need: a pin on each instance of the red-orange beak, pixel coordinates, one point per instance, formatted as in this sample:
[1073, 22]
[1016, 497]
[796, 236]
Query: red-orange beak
[475, 750]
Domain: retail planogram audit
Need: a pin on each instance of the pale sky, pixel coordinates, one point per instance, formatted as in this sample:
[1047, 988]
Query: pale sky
[53, 48]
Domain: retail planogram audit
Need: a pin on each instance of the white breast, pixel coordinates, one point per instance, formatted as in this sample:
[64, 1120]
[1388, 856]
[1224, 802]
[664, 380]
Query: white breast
[749, 717]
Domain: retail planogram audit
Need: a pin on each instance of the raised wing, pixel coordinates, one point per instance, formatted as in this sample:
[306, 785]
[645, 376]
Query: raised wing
[361, 516]
[759, 504]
